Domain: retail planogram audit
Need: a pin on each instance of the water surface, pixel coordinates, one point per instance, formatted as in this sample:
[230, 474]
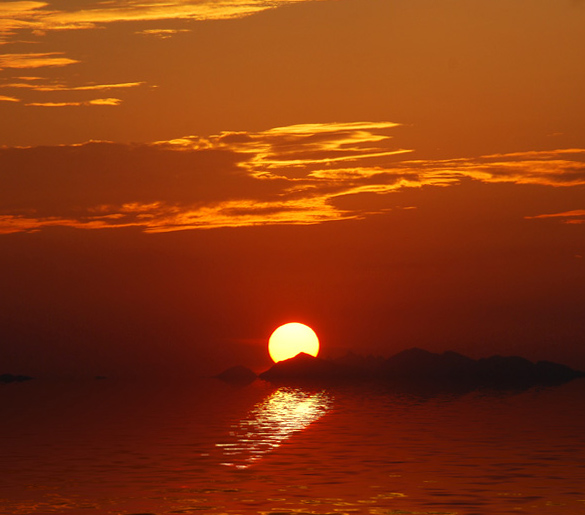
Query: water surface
[109, 448]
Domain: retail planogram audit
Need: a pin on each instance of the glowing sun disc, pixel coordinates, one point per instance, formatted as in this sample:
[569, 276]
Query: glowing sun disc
[290, 339]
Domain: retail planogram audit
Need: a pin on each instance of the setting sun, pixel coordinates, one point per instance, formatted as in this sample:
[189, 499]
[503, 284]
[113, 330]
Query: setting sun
[290, 339]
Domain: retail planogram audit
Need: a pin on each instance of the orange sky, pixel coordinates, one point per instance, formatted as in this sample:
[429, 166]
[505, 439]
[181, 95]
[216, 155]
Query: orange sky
[179, 177]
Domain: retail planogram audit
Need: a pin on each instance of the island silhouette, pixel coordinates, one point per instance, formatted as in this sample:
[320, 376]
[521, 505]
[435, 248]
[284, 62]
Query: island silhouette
[13, 378]
[413, 368]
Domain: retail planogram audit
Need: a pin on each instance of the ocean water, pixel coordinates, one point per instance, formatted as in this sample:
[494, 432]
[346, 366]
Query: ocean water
[109, 447]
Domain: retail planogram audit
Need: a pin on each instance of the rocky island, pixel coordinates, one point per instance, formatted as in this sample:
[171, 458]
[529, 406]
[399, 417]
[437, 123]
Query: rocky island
[418, 367]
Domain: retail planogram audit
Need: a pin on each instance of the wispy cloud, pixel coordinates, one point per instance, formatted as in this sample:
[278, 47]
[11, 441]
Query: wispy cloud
[576, 216]
[287, 175]
[94, 102]
[298, 146]
[42, 17]
[57, 86]
[161, 33]
[104, 102]
[563, 167]
[34, 60]
[17, 15]
[4, 98]
[28, 21]
[39, 92]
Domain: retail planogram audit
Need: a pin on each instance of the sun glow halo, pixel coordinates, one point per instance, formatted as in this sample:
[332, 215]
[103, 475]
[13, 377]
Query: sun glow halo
[288, 340]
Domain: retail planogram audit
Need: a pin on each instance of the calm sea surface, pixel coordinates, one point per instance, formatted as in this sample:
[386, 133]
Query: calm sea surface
[107, 447]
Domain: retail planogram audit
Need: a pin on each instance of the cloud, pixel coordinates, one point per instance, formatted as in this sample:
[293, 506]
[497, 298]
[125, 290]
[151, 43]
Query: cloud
[299, 146]
[286, 175]
[4, 98]
[94, 102]
[41, 16]
[29, 21]
[31, 84]
[16, 15]
[576, 216]
[161, 33]
[34, 60]
[563, 167]
[37, 85]
[104, 102]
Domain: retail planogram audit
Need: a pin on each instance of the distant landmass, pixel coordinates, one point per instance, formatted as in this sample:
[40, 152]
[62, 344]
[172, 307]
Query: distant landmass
[418, 367]
[11, 378]
[237, 375]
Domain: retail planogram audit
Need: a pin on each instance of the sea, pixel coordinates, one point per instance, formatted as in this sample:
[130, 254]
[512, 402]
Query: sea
[114, 447]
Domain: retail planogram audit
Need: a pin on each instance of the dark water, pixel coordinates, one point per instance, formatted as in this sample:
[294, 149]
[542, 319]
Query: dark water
[105, 447]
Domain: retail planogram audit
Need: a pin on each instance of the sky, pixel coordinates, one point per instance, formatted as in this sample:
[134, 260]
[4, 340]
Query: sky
[180, 177]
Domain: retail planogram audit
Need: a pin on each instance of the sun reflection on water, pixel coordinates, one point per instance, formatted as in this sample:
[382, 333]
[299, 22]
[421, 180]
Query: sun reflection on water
[281, 414]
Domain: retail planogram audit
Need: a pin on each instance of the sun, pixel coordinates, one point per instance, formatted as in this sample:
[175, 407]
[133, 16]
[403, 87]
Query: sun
[290, 339]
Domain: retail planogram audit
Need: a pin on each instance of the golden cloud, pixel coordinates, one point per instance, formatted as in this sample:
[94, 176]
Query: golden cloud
[16, 15]
[299, 146]
[104, 102]
[576, 216]
[4, 98]
[49, 87]
[161, 33]
[287, 175]
[40, 85]
[94, 102]
[42, 17]
[34, 60]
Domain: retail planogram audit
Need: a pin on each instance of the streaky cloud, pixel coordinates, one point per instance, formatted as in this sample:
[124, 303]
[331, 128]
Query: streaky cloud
[50, 87]
[94, 102]
[42, 17]
[16, 15]
[161, 33]
[38, 91]
[287, 175]
[35, 60]
[576, 216]
[4, 98]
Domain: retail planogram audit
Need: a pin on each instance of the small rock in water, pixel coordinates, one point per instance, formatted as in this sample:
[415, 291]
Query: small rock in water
[11, 378]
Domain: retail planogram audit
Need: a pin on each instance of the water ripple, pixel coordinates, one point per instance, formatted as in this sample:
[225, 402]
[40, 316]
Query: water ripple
[269, 423]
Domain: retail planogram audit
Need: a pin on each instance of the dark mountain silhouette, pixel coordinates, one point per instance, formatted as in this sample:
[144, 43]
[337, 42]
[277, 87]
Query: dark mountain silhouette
[237, 375]
[11, 378]
[418, 367]
[427, 364]
[360, 365]
[303, 366]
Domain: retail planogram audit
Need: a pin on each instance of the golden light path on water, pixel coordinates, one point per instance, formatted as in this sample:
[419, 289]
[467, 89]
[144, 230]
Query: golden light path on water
[269, 423]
